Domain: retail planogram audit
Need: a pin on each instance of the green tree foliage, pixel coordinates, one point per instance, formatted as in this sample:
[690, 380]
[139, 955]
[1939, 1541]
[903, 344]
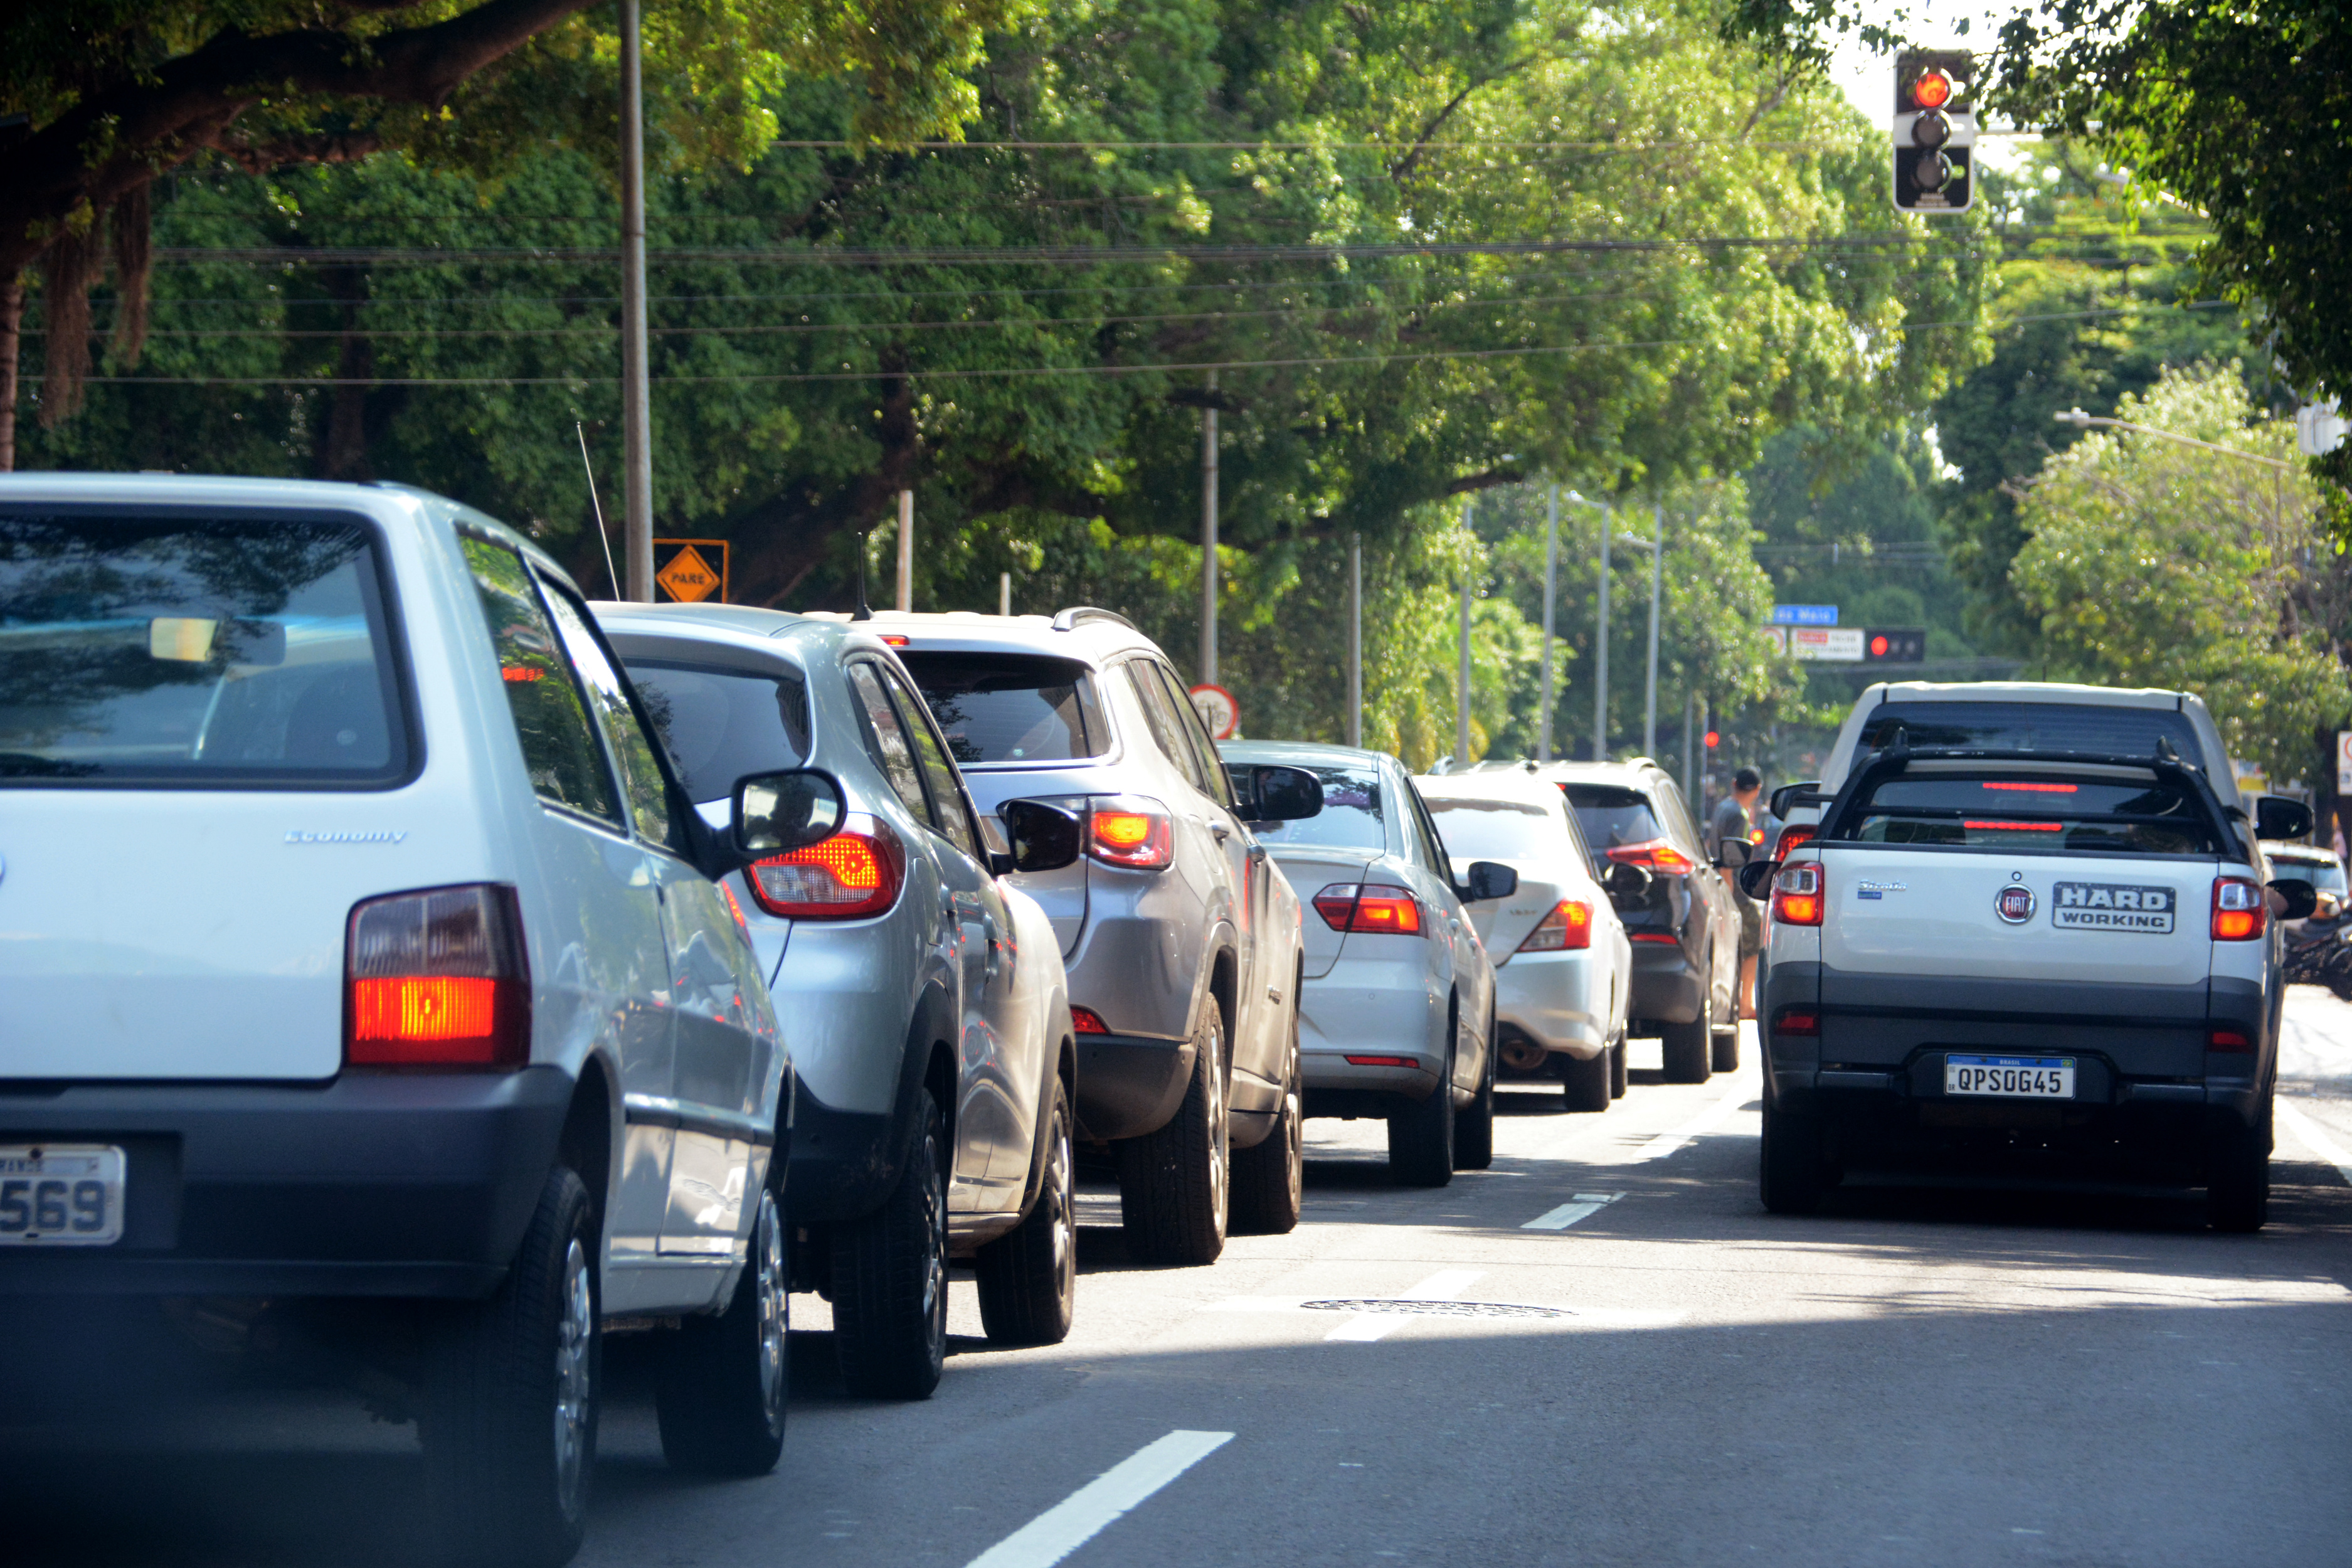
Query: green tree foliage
[2148, 563]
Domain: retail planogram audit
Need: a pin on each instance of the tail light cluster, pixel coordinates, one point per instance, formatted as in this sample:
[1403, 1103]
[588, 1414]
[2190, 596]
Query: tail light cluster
[1139, 836]
[1378, 907]
[1569, 928]
[1797, 896]
[437, 980]
[1086, 1021]
[1794, 835]
[856, 873]
[1655, 855]
[2241, 908]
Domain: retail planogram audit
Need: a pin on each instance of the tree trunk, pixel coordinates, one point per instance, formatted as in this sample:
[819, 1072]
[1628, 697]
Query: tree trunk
[12, 316]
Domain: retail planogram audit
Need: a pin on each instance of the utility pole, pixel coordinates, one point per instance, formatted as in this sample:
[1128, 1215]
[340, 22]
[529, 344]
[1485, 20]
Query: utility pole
[1355, 640]
[1552, 577]
[637, 396]
[1462, 677]
[1657, 568]
[905, 550]
[1209, 535]
[1600, 634]
[1004, 593]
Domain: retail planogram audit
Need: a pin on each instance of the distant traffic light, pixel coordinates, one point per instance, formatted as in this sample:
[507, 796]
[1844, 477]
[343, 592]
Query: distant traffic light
[1893, 645]
[1935, 130]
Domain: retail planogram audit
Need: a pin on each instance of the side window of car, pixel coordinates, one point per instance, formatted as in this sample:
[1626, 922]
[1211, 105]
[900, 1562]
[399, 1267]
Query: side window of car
[947, 790]
[887, 740]
[544, 696]
[1204, 751]
[1433, 847]
[1166, 731]
[1678, 823]
[651, 806]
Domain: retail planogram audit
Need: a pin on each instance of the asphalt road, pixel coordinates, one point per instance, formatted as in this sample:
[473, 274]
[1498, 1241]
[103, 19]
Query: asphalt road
[1664, 1375]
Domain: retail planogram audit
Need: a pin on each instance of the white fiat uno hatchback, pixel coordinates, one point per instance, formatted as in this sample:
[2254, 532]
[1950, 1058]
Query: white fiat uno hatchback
[363, 978]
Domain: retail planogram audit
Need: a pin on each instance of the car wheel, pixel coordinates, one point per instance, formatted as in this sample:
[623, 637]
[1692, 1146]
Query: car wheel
[1421, 1137]
[1725, 1057]
[2238, 1175]
[721, 1390]
[1270, 1180]
[1617, 1069]
[1687, 1046]
[513, 1389]
[890, 1276]
[1474, 1124]
[1584, 1085]
[1029, 1278]
[1174, 1183]
[1791, 1173]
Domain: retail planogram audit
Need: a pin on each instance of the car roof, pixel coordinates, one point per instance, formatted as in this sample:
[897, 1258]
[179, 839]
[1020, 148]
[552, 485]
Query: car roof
[741, 627]
[1080, 633]
[1499, 785]
[1300, 754]
[1635, 773]
[2024, 691]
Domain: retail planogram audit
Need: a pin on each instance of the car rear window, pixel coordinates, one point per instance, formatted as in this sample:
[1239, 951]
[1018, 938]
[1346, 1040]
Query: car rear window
[1486, 829]
[1612, 815]
[2325, 875]
[724, 725]
[219, 653]
[2034, 727]
[1011, 707]
[1353, 817]
[2030, 810]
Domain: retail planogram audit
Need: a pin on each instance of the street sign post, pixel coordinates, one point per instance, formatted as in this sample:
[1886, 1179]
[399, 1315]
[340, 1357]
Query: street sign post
[690, 571]
[2344, 761]
[1218, 710]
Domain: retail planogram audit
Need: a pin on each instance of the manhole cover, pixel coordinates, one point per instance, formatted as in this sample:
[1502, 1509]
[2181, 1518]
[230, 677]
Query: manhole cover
[1437, 1309]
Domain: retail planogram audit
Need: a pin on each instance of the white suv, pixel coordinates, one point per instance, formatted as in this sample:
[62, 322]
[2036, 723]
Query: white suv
[408, 1014]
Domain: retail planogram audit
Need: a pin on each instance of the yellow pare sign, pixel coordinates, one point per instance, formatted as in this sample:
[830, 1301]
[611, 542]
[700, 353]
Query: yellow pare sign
[183, 639]
[690, 571]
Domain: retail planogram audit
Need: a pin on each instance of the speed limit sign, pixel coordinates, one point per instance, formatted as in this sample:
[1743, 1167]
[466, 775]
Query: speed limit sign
[1218, 710]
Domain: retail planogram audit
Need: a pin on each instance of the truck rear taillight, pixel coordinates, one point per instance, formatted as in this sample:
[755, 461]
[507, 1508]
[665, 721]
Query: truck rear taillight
[1655, 855]
[1797, 898]
[2227, 1039]
[856, 873]
[1799, 1023]
[1568, 929]
[1141, 840]
[1793, 837]
[436, 980]
[1086, 1021]
[1374, 907]
[2241, 911]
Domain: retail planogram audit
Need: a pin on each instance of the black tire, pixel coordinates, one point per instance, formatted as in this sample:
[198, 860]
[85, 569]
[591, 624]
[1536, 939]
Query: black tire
[1029, 1277]
[1584, 1085]
[720, 1388]
[2238, 1175]
[1174, 1185]
[1727, 1050]
[1270, 1180]
[1617, 1069]
[513, 1390]
[1791, 1173]
[1474, 1124]
[1687, 1046]
[890, 1276]
[1421, 1136]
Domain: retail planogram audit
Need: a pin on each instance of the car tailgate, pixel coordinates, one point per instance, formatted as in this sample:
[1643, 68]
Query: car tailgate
[1504, 924]
[1311, 869]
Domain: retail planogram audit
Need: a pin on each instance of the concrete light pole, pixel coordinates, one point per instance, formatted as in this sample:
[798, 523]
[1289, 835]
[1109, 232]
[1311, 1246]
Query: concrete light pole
[1462, 676]
[905, 550]
[1650, 701]
[1209, 535]
[1355, 640]
[637, 396]
[1600, 634]
[1551, 578]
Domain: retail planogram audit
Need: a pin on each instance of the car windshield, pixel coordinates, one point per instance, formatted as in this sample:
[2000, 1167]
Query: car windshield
[2031, 811]
[2325, 875]
[1611, 816]
[204, 654]
[1487, 829]
[2101, 727]
[1353, 814]
[1011, 709]
[724, 725]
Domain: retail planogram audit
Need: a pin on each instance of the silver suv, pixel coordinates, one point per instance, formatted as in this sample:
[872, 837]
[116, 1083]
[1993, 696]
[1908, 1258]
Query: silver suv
[1181, 938]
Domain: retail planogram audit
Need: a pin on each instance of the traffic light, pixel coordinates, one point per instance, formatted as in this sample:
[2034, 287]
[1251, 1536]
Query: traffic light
[1893, 645]
[1935, 130]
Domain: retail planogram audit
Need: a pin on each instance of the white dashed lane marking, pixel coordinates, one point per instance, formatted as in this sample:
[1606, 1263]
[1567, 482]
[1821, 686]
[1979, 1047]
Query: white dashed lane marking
[1585, 1205]
[1079, 1518]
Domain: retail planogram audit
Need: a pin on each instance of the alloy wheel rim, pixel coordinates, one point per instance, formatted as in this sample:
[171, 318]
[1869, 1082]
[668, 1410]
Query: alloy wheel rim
[575, 1376]
[775, 1308]
[935, 1259]
[1294, 1115]
[1217, 1140]
[1064, 1213]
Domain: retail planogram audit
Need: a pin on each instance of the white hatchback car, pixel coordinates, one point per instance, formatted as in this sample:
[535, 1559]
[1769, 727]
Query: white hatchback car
[427, 1034]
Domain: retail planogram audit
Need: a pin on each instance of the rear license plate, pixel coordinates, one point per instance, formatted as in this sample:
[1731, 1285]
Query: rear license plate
[60, 1195]
[2010, 1077]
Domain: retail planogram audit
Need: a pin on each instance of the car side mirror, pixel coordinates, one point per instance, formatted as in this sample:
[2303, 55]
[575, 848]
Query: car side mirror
[2294, 898]
[1731, 854]
[1285, 794]
[1756, 877]
[1790, 796]
[2276, 816]
[777, 813]
[1041, 837]
[1488, 880]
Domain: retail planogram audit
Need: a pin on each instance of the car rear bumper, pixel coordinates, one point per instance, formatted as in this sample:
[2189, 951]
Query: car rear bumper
[1666, 984]
[1369, 1007]
[1129, 1085]
[1559, 1000]
[392, 1185]
[842, 1164]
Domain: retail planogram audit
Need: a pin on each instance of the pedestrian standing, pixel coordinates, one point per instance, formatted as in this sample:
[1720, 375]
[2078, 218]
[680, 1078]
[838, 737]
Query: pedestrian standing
[1735, 822]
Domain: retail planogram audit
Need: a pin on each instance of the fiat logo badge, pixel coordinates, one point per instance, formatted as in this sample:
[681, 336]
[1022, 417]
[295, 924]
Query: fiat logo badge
[2014, 904]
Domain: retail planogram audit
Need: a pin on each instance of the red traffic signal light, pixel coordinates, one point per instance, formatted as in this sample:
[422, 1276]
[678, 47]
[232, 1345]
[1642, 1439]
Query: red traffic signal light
[1932, 91]
[1713, 739]
[1893, 645]
[1878, 645]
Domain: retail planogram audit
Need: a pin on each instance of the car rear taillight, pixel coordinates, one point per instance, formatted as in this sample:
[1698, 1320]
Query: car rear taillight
[2225, 1039]
[1797, 895]
[1382, 1062]
[1663, 938]
[1135, 837]
[2241, 911]
[438, 979]
[1792, 836]
[1086, 1021]
[1800, 1023]
[1374, 907]
[1653, 855]
[856, 872]
[1568, 927]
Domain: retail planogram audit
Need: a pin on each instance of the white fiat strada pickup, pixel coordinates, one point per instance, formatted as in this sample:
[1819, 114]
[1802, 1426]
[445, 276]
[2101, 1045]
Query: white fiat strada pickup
[2047, 958]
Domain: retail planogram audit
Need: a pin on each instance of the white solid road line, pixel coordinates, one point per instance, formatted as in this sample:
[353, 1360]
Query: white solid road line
[1077, 1518]
[1666, 1143]
[2317, 1139]
[1561, 1218]
[1443, 1286]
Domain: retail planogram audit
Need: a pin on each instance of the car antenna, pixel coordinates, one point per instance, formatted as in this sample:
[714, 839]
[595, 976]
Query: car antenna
[582, 430]
[1898, 744]
[865, 612]
[2165, 753]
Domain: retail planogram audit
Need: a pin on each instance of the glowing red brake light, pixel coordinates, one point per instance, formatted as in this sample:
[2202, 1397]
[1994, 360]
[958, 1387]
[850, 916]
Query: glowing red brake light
[1373, 908]
[1568, 927]
[1797, 898]
[1653, 855]
[1792, 836]
[2241, 911]
[856, 873]
[1086, 1021]
[436, 979]
[1142, 840]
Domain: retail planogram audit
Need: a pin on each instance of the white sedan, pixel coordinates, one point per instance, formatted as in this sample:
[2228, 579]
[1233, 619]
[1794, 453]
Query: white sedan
[1563, 965]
